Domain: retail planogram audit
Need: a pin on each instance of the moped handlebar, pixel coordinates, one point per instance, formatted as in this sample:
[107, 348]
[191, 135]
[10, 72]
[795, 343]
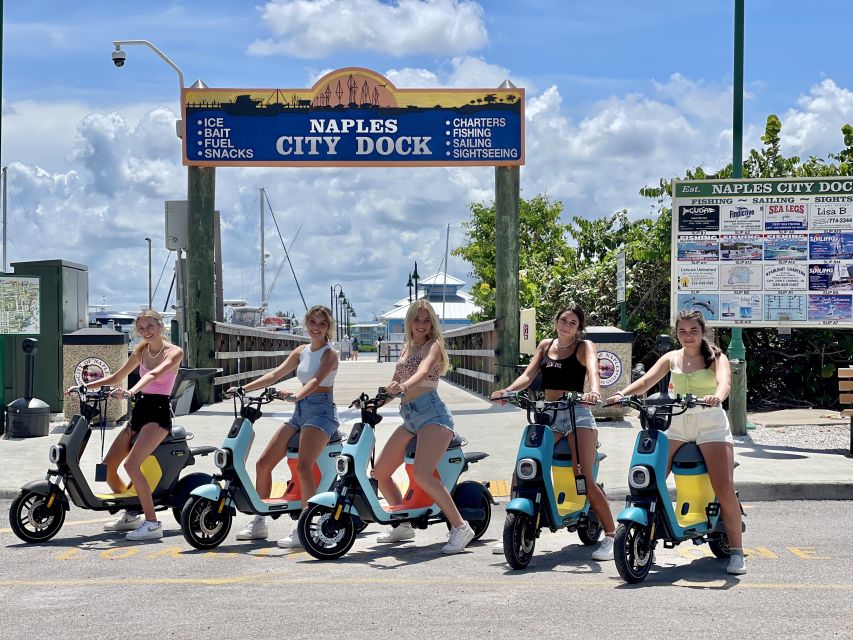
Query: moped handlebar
[382, 396]
[523, 400]
[657, 411]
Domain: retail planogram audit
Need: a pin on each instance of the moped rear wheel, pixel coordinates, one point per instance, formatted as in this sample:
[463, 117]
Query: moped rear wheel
[32, 520]
[720, 546]
[324, 537]
[590, 533]
[479, 526]
[519, 540]
[202, 524]
[632, 552]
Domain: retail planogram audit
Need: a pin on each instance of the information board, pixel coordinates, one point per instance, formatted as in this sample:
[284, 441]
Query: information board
[353, 117]
[20, 308]
[764, 252]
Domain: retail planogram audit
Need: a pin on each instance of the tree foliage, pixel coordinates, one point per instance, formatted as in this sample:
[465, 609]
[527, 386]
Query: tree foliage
[576, 262]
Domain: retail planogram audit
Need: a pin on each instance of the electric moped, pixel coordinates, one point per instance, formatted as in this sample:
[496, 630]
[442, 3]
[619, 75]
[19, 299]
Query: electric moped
[649, 514]
[38, 512]
[547, 493]
[207, 515]
[327, 527]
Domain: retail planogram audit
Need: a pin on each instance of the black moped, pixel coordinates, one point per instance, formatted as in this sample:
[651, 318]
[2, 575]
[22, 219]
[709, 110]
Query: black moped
[38, 512]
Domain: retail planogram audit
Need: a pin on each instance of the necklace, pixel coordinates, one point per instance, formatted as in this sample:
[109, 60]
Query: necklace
[566, 346]
[688, 360]
[152, 356]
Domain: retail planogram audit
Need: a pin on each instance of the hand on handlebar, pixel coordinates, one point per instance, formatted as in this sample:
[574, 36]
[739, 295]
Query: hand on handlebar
[709, 401]
[395, 389]
[591, 398]
[119, 393]
[287, 396]
[76, 390]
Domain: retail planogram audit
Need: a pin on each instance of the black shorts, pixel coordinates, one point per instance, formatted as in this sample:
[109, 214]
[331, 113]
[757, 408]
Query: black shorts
[151, 407]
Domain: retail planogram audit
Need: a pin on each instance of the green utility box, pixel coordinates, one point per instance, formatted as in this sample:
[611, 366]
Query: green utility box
[64, 301]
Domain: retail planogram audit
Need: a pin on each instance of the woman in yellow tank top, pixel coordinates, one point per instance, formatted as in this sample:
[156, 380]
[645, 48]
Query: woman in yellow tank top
[701, 369]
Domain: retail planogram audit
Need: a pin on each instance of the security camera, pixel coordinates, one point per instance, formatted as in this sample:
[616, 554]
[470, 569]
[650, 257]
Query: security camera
[119, 57]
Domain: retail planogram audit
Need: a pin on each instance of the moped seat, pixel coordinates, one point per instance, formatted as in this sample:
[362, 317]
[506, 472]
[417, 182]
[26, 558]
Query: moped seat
[456, 441]
[562, 450]
[178, 433]
[688, 454]
[293, 444]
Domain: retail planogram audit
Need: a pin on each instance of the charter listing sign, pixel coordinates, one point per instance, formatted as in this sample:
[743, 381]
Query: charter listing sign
[353, 117]
[764, 252]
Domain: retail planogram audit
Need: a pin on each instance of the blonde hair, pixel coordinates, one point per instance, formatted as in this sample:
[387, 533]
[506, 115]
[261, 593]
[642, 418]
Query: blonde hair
[327, 315]
[147, 313]
[434, 333]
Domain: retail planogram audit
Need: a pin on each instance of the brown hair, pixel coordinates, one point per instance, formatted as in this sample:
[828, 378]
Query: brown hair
[709, 351]
[327, 315]
[576, 309]
[434, 333]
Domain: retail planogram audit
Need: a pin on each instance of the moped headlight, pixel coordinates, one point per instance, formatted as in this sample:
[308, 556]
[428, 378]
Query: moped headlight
[342, 465]
[639, 477]
[526, 468]
[221, 458]
[56, 453]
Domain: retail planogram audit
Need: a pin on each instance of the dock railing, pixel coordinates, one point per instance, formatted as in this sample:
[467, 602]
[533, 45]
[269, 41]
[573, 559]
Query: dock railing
[473, 361]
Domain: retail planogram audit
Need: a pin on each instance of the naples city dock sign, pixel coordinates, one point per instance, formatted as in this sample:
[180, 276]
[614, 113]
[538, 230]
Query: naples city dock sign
[353, 117]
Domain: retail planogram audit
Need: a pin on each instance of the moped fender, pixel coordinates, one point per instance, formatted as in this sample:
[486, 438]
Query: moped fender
[42, 488]
[634, 514]
[330, 499]
[520, 505]
[210, 491]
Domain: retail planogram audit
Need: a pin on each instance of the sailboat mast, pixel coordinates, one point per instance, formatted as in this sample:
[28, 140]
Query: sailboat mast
[444, 288]
[263, 282]
[5, 178]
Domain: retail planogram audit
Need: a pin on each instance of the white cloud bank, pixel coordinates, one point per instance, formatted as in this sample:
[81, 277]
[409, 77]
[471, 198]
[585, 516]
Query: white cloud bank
[313, 29]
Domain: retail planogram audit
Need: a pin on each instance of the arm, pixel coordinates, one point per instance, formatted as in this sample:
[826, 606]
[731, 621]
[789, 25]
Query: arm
[170, 363]
[528, 375]
[131, 364]
[724, 381]
[328, 363]
[268, 379]
[652, 376]
[590, 359]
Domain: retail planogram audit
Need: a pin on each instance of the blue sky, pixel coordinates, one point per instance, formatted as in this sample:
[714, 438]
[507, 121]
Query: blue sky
[618, 96]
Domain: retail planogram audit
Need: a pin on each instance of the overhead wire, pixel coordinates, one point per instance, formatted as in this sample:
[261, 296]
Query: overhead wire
[286, 252]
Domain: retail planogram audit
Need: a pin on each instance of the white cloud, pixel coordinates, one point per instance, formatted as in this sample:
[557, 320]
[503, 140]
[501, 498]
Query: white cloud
[316, 28]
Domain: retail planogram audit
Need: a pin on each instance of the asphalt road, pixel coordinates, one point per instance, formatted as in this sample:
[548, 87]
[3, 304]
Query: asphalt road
[90, 584]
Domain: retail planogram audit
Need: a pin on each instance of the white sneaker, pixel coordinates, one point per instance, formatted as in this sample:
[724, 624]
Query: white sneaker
[737, 565]
[605, 550]
[255, 530]
[400, 533]
[127, 522]
[459, 539]
[291, 542]
[498, 549]
[147, 531]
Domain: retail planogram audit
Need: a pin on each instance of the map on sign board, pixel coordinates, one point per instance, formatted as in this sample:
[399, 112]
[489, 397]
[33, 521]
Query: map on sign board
[775, 252]
[19, 306]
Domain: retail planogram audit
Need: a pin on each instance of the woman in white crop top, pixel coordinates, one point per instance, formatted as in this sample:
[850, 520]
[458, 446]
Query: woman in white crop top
[151, 420]
[315, 417]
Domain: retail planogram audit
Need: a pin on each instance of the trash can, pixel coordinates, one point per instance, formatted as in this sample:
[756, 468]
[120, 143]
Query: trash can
[28, 417]
[615, 350]
[89, 355]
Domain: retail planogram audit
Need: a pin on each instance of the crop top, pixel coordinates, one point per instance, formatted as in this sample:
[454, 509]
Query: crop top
[700, 383]
[405, 369]
[309, 364]
[161, 385]
[566, 374]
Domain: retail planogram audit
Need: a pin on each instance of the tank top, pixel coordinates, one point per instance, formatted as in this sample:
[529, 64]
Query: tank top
[405, 369]
[565, 374]
[161, 385]
[309, 364]
[698, 383]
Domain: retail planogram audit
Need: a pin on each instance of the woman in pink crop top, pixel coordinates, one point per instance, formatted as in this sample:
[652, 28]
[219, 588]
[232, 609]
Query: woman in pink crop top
[421, 363]
[315, 417]
[150, 422]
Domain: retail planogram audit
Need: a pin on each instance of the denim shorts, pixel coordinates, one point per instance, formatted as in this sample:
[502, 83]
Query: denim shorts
[583, 419]
[701, 425]
[318, 411]
[424, 410]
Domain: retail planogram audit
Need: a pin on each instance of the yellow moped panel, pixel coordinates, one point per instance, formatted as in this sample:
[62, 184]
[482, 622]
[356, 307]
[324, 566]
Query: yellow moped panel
[697, 493]
[150, 469]
[564, 483]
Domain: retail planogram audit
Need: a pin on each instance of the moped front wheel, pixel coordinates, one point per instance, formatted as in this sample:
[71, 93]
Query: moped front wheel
[632, 552]
[36, 518]
[519, 540]
[720, 546]
[324, 537]
[203, 526]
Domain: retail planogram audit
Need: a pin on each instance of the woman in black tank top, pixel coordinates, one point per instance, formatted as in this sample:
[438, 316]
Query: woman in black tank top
[565, 362]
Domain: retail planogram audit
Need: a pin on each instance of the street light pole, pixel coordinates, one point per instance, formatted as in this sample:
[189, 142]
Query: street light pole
[333, 307]
[416, 277]
[150, 296]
